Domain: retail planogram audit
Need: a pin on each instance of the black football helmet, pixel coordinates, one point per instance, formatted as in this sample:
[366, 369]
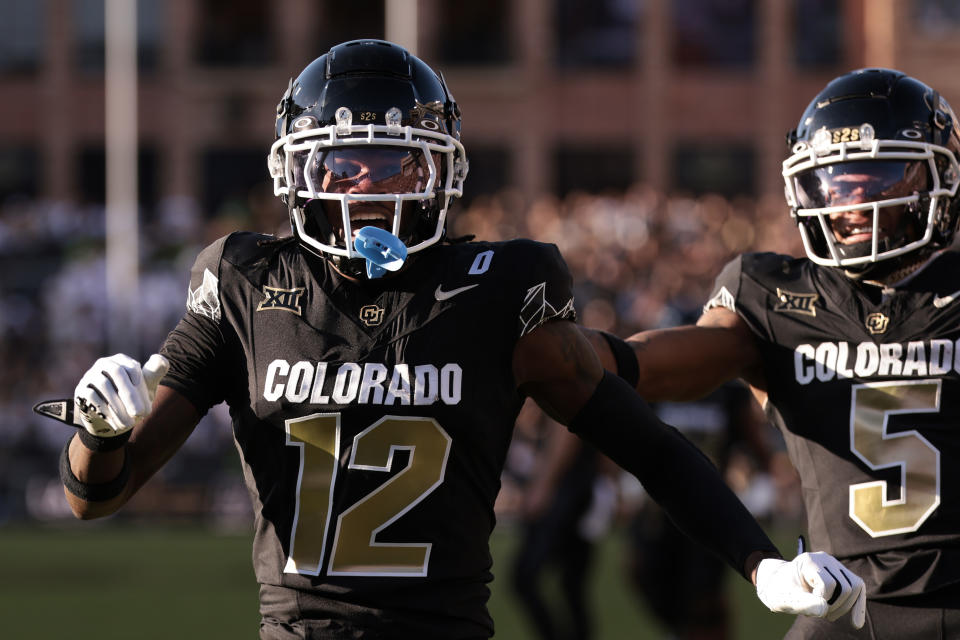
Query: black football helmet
[367, 134]
[873, 171]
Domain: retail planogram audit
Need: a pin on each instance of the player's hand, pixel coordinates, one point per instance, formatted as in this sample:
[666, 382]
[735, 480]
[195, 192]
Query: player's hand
[115, 394]
[812, 584]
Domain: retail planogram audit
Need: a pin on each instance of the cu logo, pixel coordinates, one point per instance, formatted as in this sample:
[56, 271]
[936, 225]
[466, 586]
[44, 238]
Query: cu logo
[371, 315]
[877, 323]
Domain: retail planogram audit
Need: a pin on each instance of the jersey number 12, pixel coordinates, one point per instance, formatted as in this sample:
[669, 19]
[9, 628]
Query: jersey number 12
[355, 550]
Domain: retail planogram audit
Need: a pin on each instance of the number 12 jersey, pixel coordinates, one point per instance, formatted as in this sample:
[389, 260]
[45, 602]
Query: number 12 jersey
[372, 422]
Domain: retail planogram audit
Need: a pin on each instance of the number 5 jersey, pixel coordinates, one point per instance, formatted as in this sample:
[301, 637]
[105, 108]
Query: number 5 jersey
[864, 384]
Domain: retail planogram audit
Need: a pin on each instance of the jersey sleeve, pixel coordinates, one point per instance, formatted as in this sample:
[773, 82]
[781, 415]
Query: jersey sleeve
[195, 348]
[549, 288]
[738, 289]
[726, 287]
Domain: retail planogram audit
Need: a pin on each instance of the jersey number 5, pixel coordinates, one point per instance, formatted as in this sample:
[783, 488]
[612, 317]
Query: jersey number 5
[355, 550]
[918, 460]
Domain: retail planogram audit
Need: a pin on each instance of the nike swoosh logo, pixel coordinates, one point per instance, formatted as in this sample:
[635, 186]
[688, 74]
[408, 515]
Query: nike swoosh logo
[446, 295]
[940, 303]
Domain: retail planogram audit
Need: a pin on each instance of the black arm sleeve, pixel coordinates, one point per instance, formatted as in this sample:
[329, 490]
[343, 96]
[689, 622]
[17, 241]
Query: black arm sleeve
[673, 471]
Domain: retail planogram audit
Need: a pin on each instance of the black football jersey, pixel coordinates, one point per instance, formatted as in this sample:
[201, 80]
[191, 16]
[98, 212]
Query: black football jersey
[372, 421]
[864, 385]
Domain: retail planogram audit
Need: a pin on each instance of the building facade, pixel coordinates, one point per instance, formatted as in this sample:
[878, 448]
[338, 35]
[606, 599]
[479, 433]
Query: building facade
[558, 95]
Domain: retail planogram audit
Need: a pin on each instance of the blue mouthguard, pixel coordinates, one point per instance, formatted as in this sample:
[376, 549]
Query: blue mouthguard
[382, 250]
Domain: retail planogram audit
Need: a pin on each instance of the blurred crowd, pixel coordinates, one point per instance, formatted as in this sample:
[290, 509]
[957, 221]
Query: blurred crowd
[639, 259]
[634, 256]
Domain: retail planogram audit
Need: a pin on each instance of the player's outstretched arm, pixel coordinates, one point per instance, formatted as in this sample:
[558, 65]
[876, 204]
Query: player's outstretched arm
[130, 428]
[557, 367]
[686, 362]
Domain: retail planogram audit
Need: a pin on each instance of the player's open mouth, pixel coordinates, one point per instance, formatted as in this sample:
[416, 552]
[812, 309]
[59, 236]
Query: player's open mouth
[377, 219]
[854, 234]
[858, 235]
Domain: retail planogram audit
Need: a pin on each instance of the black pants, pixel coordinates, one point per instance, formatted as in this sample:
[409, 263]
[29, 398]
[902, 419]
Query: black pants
[884, 622]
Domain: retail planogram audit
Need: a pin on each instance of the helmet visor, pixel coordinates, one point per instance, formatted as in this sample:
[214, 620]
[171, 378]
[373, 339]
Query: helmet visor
[850, 183]
[367, 169]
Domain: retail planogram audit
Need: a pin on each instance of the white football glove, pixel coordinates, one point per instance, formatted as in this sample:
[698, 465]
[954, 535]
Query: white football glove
[812, 584]
[115, 394]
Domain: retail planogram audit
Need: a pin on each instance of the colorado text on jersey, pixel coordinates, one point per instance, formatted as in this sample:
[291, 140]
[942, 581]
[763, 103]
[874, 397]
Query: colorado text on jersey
[829, 360]
[367, 383]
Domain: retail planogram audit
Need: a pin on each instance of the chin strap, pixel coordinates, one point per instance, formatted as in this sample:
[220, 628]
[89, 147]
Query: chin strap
[382, 250]
[900, 272]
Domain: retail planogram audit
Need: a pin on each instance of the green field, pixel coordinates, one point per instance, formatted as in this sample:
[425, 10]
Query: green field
[111, 580]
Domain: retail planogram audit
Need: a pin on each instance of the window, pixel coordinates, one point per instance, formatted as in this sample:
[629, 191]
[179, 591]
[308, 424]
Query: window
[593, 168]
[474, 33]
[92, 177]
[90, 36]
[817, 27]
[490, 171]
[597, 33]
[230, 176]
[937, 17]
[19, 172]
[727, 170]
[150, 29]
[714, 33]
[232, 33]
[21, 35]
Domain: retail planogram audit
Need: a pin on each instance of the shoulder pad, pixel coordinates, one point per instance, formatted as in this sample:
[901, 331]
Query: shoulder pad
[768, 262]
[245, 247]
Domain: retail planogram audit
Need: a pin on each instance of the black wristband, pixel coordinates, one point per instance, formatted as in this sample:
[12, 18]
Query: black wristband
[91, 492]
[627, 366]
[97, 443]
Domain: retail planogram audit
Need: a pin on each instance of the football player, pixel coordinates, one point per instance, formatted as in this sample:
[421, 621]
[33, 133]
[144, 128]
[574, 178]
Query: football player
[374, 369]
[854, 351]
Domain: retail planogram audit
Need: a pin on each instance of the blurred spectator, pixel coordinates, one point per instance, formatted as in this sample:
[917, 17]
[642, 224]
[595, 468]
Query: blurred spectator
[568, 504]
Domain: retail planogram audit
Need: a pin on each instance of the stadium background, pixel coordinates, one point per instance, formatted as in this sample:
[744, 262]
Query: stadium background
[644, 137]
